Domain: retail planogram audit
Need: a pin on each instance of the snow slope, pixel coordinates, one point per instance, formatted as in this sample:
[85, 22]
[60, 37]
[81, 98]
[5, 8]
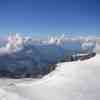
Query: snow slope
[9, 96]
[78, 80]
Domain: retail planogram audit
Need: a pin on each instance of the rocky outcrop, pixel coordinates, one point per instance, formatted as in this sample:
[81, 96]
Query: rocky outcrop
[79, 57]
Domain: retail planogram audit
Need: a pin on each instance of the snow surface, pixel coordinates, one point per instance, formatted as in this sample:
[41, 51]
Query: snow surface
[9, 96]
[78, 80]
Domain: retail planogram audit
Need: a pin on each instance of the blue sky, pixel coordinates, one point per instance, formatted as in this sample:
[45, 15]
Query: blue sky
[50, 17]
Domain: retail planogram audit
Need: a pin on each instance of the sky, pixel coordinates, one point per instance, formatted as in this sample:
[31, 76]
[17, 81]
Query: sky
[50, 17]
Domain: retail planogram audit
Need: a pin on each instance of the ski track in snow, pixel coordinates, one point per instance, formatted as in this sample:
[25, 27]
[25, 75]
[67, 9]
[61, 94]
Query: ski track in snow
[78, 80]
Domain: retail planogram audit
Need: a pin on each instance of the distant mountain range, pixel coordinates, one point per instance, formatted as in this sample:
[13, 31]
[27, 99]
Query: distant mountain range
[26, 57]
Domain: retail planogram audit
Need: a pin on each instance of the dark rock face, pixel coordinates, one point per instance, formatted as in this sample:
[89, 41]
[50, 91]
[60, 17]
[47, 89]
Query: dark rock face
[88, 56]
[35, 61]
[79, 57]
